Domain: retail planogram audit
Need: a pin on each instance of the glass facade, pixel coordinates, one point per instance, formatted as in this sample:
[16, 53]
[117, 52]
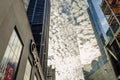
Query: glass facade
[35, 15]
[100, 36]
[97, 26]
[39, 16]
[109, 34]
[27, 71]
[36, 11]
[100, 19]
[12, 55]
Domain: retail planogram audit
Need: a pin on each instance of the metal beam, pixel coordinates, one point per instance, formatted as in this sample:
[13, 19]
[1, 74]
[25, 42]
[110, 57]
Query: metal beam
[112, 54]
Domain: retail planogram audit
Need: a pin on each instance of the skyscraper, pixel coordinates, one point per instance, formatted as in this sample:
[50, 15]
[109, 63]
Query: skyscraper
[39, 14]
[100, 27]
[97, 19]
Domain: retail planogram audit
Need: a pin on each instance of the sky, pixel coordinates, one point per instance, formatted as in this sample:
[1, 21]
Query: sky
[72, 41]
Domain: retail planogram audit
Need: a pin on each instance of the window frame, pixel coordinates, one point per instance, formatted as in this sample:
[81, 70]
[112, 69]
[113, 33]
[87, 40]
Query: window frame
[7, 57]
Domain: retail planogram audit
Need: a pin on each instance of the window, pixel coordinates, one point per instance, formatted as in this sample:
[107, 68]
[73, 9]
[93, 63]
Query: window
[12, 55]
[27, 71]
[35, 77]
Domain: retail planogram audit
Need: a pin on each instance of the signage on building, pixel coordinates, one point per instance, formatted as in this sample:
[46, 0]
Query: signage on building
[32, 47]
[33, 51]
[9, 72]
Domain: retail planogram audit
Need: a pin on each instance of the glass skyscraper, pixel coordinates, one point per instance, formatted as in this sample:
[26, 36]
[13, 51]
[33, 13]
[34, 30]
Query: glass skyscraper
[39, 16]
[35, 14]
[101, 28]
[93, 10]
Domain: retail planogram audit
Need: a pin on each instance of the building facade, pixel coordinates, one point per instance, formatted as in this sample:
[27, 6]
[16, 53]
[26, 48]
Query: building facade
[111, 11]
[18, 58]
[97, 27]
[100, 27]
[39, 16]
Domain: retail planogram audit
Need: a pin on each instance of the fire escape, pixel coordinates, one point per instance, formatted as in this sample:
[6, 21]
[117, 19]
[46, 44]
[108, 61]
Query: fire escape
[111, 9]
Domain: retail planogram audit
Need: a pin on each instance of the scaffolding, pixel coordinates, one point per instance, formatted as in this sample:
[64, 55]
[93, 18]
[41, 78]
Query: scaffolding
[111, 9]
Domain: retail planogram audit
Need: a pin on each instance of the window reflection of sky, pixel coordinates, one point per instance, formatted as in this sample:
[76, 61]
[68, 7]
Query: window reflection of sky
[101, 15]
[99, 1]
[102, 20]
